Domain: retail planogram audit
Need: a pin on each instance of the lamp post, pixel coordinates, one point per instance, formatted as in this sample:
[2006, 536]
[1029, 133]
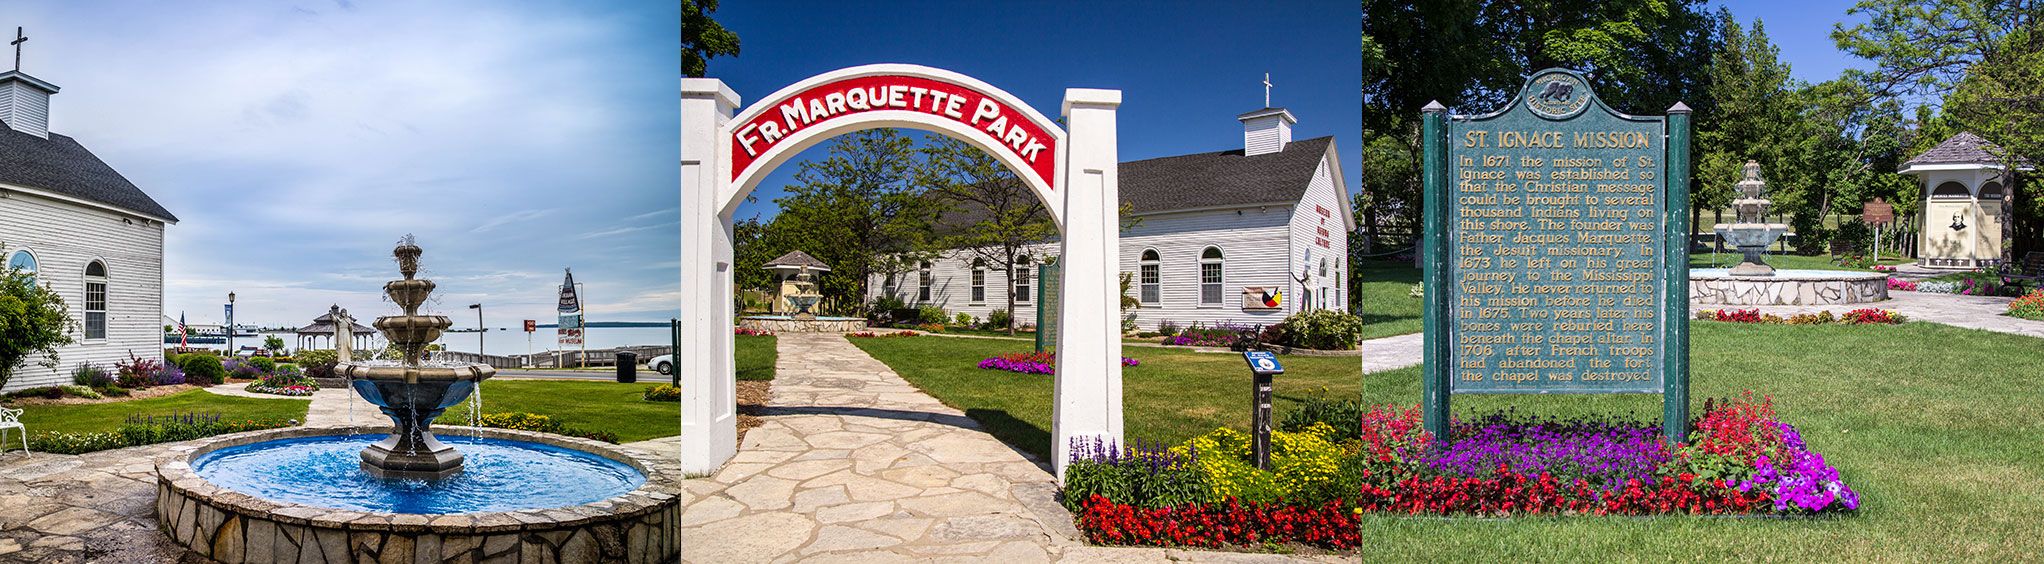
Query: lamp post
[230, 324]
[480, 329]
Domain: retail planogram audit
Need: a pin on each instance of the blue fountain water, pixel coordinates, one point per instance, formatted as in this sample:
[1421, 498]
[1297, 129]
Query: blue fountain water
[500, 475]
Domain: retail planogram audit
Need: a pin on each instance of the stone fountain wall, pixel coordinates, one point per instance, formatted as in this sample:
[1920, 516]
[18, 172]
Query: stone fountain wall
[803, 326]
[233, 527]
[1839, 288]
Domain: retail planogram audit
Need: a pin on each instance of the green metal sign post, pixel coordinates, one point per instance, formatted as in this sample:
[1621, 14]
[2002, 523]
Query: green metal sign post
[1555, 251]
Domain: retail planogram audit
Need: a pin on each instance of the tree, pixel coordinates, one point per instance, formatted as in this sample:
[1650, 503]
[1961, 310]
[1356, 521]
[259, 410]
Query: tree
[34, 322]
[987, 213]
[860, 210]
[703, 38]
[274, 344]
[1755, 117]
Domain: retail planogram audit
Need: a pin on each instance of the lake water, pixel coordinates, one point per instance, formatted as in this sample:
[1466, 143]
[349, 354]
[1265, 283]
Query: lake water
[501, 341]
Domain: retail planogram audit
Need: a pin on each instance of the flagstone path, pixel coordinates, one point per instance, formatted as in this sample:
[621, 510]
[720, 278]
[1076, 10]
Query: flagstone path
[854, 464]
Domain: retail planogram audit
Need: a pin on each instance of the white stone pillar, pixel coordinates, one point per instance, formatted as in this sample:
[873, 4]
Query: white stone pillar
[709, 382]
[1088, 389]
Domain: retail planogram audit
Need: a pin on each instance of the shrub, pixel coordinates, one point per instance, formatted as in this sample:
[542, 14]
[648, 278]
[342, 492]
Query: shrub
[318, 363]
[999, 319]
[542, 424]
[2030, 306]
[1323, 329]
[91, 376]
[264, 364]
[45, 392]
[80, 392]
[144, 430]
[242, 370]
[168, 376]
[204, 370]
[664, 393]
[1167, 328]
[964, 320]
[930, 314]
[137, 372]
[1344, 416]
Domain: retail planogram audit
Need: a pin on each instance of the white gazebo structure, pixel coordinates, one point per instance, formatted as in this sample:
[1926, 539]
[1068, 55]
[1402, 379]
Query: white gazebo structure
[788, 269]
[1967, 198]
[323, 331]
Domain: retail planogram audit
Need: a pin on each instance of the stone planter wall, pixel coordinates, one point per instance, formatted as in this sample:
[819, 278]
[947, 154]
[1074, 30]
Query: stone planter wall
[801, 326]
[1840, 288]
[233, 527]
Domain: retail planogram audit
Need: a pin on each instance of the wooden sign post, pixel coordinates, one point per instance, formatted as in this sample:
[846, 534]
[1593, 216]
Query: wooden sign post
[1878, 213]
[1556, 251]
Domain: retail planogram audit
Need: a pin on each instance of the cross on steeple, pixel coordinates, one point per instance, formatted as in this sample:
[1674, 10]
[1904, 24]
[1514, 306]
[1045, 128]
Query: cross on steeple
[1266, 85]
[18, 40]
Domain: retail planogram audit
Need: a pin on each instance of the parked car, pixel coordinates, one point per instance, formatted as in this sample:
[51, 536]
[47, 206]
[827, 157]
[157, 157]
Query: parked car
[663, 364]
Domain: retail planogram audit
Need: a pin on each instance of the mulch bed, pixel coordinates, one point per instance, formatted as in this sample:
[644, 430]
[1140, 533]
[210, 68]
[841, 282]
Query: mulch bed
[752, 398]
[144, 393]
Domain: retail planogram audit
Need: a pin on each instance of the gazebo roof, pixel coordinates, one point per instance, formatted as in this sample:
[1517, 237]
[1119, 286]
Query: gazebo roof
[324, 325]
[1963, 149]
[798, 259]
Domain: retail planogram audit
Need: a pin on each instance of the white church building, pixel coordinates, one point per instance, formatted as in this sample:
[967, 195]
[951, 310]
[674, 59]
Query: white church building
[1244, 236]
[81, 229]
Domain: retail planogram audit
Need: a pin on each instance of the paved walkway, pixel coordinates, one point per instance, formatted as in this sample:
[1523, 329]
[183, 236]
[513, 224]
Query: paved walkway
[100, 507]
[853, 464]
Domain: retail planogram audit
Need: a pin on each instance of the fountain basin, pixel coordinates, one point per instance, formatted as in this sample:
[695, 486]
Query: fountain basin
[793, 324]
[1718, 286]
[227, 524]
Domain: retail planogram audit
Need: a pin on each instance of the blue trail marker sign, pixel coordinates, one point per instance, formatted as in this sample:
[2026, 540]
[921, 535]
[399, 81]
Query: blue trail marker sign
[1556, 250]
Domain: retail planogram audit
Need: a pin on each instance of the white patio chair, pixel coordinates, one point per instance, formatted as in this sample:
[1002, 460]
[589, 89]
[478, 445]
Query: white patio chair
[11, 419]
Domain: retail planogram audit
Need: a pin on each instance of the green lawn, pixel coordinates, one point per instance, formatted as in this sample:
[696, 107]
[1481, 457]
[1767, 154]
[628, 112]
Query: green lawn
[103, 417]
[594, 405]
[614, 407]
[755, 356]
[1388, 306]
[1937, 428]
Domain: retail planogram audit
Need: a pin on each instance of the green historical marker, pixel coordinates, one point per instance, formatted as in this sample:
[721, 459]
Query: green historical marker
[1556, 256]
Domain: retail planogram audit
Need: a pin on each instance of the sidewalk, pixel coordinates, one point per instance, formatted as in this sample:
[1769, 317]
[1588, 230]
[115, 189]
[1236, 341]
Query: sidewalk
[853, 464]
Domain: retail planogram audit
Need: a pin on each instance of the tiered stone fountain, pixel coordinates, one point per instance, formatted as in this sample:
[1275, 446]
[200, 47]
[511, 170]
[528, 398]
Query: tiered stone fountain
[1753, 282]
[1751, 234]
[412, 392]
[352, 494]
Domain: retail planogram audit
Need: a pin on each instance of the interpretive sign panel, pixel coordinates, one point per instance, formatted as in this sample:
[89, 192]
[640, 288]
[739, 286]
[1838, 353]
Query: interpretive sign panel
[1555, 254]
[1555, 273]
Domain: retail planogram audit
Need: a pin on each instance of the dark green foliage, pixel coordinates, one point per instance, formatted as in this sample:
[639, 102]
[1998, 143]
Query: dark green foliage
[703, 38]
[34, 321]
[1151, 485]
[265, 364]
[1322, 329]
[203, 370]
[1344, 415]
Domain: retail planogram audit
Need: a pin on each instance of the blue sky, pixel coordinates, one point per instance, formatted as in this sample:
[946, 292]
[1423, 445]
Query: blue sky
[297, 141]
[1185, 69]
[1802, 28]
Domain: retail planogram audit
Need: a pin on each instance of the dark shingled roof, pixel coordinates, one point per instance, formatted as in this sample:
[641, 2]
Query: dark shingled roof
[1221, 179]
[797, 258]
[1964, 148]
[62, 166]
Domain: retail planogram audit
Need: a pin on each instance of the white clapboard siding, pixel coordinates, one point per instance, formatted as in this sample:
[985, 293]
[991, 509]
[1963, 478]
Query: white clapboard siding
[1263, 135]
[64, 237]
[1307, 224]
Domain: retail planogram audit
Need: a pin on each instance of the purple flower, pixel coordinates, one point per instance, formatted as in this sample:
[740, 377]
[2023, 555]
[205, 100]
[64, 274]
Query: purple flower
[1599, 452]
[1799, 478]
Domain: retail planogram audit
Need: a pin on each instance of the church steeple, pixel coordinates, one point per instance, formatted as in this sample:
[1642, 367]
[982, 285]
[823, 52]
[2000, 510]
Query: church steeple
[24, 99]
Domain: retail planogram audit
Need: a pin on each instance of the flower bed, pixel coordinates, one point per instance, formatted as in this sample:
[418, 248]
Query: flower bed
[1898, 284]
[1863, 316]
[140, 430]
[872, 335]
[750, 332]
[1044, 362]
[284, 381]
[2030, 306]
[1322, 479]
